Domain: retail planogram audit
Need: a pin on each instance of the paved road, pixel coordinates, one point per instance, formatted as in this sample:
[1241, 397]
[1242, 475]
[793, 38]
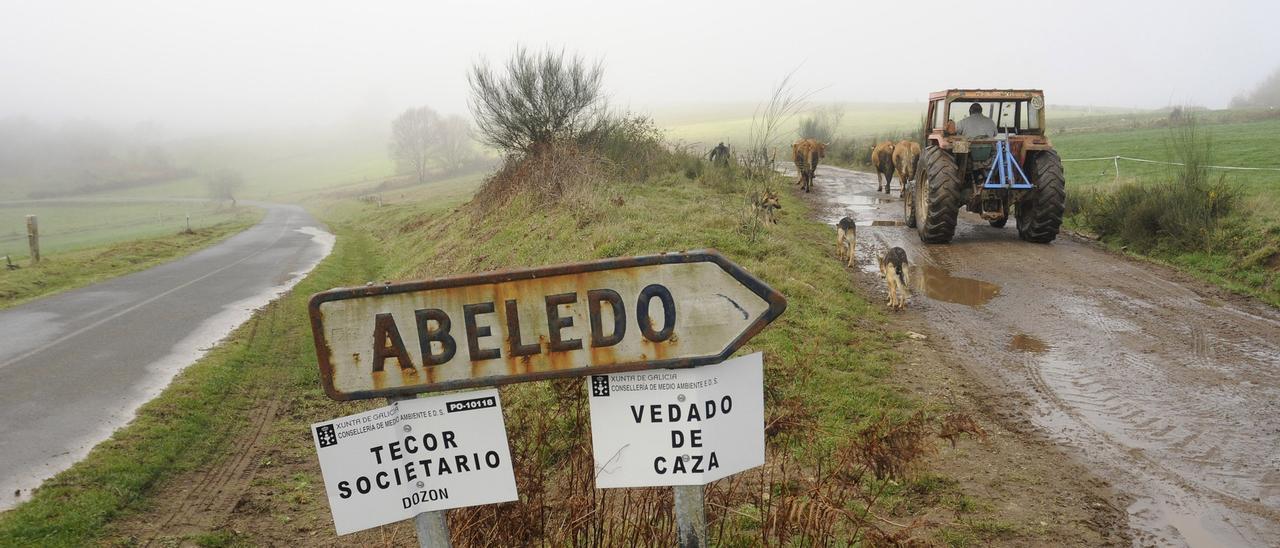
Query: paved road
[74, 367]
[1165, 386]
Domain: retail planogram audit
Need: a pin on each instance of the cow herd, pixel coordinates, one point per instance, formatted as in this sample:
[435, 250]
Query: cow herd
[887, 158]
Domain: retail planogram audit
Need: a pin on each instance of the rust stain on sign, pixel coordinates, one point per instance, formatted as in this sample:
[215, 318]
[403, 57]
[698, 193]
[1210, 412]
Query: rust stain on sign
[624, 314]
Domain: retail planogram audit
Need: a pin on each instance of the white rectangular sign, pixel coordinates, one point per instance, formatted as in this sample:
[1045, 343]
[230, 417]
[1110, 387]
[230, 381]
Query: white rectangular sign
[678, 426]
[414, 456]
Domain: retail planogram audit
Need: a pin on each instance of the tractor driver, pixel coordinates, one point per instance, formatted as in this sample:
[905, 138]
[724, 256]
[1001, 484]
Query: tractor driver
[976, 125]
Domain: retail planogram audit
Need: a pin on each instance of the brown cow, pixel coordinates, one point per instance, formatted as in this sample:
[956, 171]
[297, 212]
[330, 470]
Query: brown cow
[806, 153]
[882, 162]
[905, 156]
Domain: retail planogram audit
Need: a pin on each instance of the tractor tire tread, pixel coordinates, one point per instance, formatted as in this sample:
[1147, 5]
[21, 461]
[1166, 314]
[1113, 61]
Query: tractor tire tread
[937, 223]
[1047, 201]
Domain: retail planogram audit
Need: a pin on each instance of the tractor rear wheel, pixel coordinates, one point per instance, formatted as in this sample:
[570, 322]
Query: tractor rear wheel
[1040, 212]
[938, 196]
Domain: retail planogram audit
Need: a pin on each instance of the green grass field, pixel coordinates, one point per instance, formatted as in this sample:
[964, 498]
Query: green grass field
[1245, 144]
[75, 225]
[704, 126]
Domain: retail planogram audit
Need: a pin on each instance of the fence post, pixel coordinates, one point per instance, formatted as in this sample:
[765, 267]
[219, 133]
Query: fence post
[691, 516]
[432, 527]
[33, 238]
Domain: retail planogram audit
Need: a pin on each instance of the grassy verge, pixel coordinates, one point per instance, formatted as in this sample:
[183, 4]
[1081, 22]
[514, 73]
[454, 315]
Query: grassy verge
[59, 272]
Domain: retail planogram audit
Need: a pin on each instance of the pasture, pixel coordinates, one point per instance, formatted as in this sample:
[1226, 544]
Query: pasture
[79, 224]
[1245, 144]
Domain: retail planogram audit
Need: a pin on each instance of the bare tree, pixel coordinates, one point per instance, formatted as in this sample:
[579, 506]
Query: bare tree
[455, 142]
[542, 97]
[766, 127]
[224, 184]
[414, 136]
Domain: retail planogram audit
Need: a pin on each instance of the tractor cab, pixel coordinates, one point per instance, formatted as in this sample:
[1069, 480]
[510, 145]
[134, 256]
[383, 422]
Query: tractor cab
[1018, 116]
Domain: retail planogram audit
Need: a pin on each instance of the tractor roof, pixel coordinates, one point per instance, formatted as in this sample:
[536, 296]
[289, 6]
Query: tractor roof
[980, 94]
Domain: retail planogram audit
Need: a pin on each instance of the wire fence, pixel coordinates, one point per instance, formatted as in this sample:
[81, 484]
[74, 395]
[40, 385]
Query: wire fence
[1117, 159]
[159, 220]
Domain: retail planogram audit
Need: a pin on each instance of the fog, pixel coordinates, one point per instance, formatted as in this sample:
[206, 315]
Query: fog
[230, 65]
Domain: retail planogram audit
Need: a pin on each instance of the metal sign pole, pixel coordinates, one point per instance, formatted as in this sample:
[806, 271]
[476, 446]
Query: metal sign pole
[432, 527]
[691, 516]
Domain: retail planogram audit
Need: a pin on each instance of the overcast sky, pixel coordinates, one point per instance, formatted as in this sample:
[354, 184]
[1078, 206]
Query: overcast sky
[223, 64]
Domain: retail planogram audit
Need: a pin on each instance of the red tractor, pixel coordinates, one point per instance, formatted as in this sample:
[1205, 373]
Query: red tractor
[994, 161]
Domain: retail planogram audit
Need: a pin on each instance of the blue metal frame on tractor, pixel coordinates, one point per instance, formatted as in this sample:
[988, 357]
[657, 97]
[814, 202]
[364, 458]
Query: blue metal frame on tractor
[1005, 166]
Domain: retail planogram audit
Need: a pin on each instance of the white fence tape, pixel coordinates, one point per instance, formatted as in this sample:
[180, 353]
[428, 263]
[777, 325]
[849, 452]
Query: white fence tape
[1145, 161]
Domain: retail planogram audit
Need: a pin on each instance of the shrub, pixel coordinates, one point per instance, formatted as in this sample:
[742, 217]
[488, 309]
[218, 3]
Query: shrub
[1180, 214]
[1171, 215]
[633, 144]
[856, 151]
[541, 99]
[821, 124]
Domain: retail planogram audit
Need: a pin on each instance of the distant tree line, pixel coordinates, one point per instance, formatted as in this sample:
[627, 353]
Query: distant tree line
[1266, 95]
[421, 139]
[81, 157]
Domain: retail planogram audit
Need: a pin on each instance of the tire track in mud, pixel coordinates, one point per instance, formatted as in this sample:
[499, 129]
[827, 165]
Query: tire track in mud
[214, 496]
[1163, 385]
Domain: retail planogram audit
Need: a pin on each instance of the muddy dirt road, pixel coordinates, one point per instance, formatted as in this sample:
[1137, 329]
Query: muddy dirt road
[1164, 386]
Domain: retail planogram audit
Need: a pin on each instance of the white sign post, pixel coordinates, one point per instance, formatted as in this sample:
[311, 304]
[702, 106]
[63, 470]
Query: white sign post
[679, 427]
[415, 456]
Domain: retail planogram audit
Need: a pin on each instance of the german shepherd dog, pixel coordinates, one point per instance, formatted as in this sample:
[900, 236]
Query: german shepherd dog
[846, 229]
[894, 269]
[766, 206]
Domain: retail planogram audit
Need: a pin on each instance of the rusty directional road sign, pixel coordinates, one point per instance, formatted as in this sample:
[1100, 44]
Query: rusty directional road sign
[625, 314]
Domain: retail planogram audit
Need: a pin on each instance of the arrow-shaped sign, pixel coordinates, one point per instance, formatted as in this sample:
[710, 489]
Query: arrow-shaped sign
[609, 316]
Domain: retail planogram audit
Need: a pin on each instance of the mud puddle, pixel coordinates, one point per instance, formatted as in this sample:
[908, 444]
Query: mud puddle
[856, 206]
[938, 284]
[880, 222]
